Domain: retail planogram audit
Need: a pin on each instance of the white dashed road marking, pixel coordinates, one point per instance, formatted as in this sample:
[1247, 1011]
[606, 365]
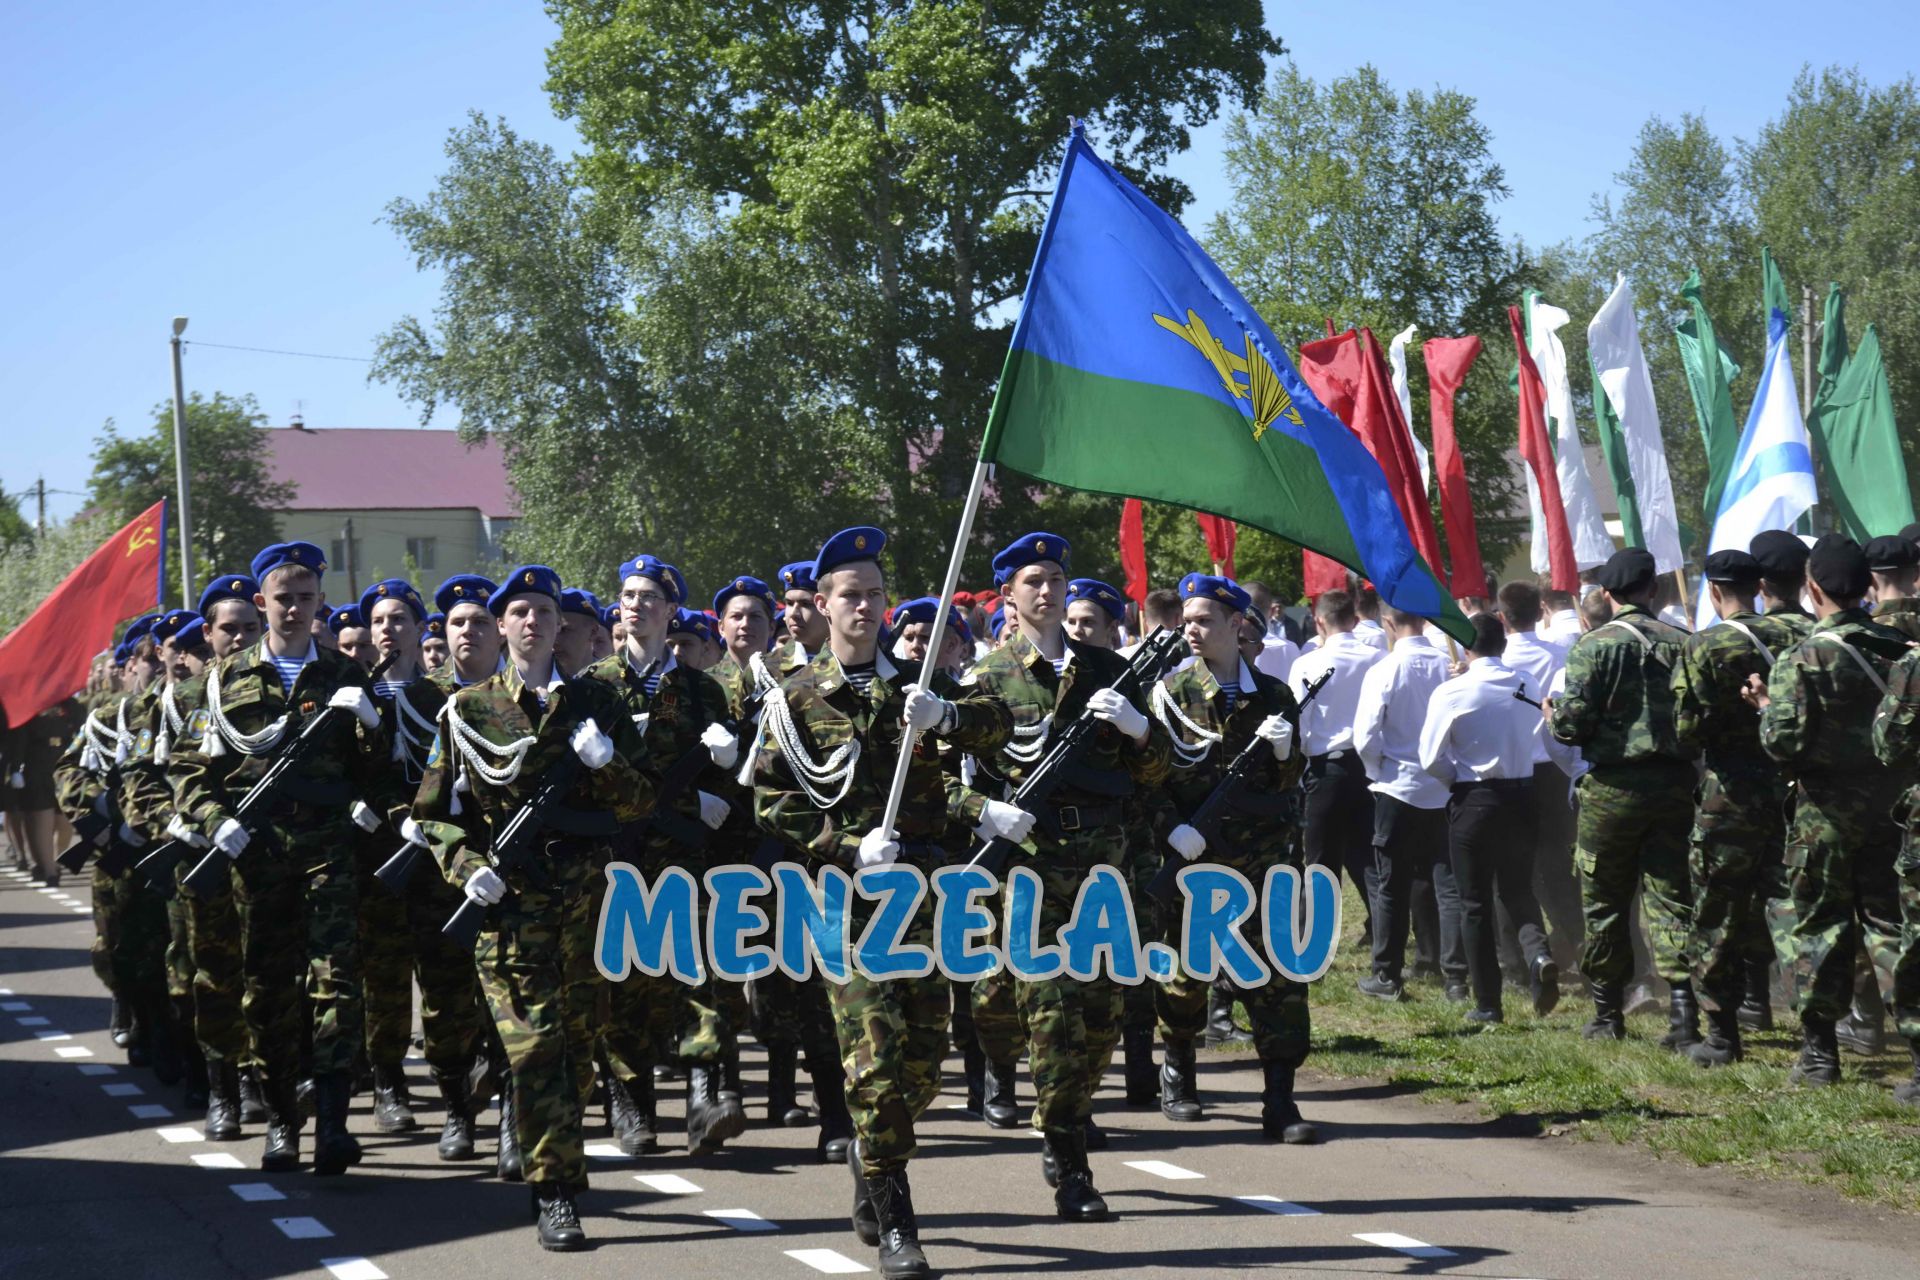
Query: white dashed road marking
[1274, 1204]
[1404, 1244]
[606, 1151]
[743, 1219]
[125, 1089]
[302, 1229]
[16, 1006]
[667, 1184]
[352, 1269]
[185, 1134]
[33, 1020]
[75, 1051]
[1161, 1169]
[213, 1159]
[51, 1035]
[96, 1068]
[834, 1264]
[252, 1191]
[151, 1111]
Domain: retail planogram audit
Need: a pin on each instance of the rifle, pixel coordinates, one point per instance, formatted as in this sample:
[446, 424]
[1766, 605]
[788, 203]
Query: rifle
[514, 847]
[94, 830]
[1206, 818]
[1153, 657]
[1520, 695]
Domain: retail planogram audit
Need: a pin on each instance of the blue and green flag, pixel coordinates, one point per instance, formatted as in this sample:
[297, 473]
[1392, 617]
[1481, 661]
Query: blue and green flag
[1137, 369]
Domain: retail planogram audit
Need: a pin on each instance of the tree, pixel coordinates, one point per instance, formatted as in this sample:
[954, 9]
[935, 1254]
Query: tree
[14, 529]
[234, 495]
[31, 568]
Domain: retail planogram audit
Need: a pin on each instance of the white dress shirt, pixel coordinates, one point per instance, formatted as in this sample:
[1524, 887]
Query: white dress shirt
[1372, 633]
[1327, 725]
[1562, 628]
[1572, 761]
[1476, 730]
[1394, 694]
[1277, 654]
[1536, 662]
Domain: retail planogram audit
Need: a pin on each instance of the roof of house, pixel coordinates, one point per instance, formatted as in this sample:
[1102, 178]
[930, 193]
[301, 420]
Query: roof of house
[387, 468]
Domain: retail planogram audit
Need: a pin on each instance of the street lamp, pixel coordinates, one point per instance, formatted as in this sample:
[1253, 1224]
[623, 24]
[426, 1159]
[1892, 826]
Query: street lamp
[183, 515]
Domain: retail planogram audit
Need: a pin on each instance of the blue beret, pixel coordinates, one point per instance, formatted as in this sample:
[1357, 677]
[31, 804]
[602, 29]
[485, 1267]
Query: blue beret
[1207, 586]
[324, 611]
[997, 622]
[849, 546]
[535, 578]
[1031, 549]
[798, 576]
[689, 623]
[579, 600]
[192, 633]
[922, 610]
[228, 586]
[168, 624]
[609, 615]
[463, 588]
[436, 625]
[1100, 593]
[745, 585]
[282, 554]
[392, 589]
[122, 653]
[671, 583]
[347, 615]
[140, 626]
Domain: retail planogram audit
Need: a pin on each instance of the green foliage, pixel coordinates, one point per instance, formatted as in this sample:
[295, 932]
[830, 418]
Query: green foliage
[14, 529]
[30, 568]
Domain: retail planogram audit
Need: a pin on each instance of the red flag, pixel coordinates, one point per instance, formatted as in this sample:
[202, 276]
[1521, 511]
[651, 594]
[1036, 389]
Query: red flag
[45, 658]
[1538, 451]
[1448, 360]
[1133, 550]
[1221, 534]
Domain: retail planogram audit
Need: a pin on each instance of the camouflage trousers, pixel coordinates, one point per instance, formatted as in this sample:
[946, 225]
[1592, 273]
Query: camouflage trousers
[789, 1012]
[648, 1019]
[108, 907]
[1145, 853]
[401, 942]
[130, 936]
[998, 1023]
[298, 901]
[218, 981]
[535, 958]
[1738, 829]
[1631, 837]
[1072, 1025]
[1278, 1010]
[893, 1039]
[1844, 889]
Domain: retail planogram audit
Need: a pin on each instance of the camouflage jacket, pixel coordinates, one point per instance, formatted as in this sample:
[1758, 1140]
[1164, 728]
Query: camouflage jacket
[527, 741]
[243, 700]
[1708, 712]
[670, 721]
[409, 720]
[1901, 614]
[1618, 707]
[90, 766]
[146, 783]
[1896, 728]
[1191, 699]
[1819, 721]
[820, 714]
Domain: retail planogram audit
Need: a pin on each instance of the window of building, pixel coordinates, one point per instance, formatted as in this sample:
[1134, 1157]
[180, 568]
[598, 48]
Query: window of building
[420, 551]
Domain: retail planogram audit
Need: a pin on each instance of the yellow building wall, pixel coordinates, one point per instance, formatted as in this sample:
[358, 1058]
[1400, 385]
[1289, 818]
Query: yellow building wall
[380, 537]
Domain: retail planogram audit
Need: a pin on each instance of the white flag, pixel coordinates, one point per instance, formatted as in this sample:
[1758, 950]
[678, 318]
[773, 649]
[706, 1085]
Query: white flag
[1613, 342]
[1397, 357]
[1591, 543]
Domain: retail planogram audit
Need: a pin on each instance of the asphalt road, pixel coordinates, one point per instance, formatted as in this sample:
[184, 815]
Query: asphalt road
[101, 1175]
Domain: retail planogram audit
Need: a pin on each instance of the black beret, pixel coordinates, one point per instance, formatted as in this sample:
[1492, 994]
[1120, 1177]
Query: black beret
[1888, 553]
[1629, 569]
[1838, 567]
[1781, 554]
[1732, 566]
[1911, 533]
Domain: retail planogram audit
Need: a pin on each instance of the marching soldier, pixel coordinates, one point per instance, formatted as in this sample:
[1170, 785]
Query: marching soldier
[433, 642]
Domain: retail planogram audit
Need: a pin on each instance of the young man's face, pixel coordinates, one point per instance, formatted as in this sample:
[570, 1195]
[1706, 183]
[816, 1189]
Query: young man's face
[805, 623]
[1212, 633]
[357, 643]
[1038, 593]
[1088, 623]
[291, 599]
[193, 662]
[232, 626]
[530, 624]
[573, 646]
[473, 640]
[394, 629]
[854, 601]
[145, 667]
[953, 647]
[690, 650]
[645, 609]
[602, 641]
[433, 652]
[173, 662]
[745, 626]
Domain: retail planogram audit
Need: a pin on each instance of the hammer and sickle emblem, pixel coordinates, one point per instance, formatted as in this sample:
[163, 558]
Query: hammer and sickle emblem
[143, 537]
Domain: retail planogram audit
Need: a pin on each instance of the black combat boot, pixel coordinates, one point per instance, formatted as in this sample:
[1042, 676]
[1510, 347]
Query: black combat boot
[1722, 1047]
[334, 1149]
[120, 1023]
[253, 1105]
[1073, 1195]
[1609, 1021]
[866, 1219]
[1279, 1116]
[712, 1117]
[1908, 1091]
[557, 1218]
[1093, 1136]
[1859, 1033]
[1221, 1029]
[731, 1086]
[193, 1062]
[830, 1100]
[630, 1118]
[1143, 1086]
[783, 1101]
[901, 1257]
[223, 1102]
[997, 1106]
[1819, 1063]
[1179, 1087]
[456, 1135]
[507, 1163]
[1683, 1019]
[1756, 1005]
[973, 1068]
[392, 1103]
[283, 1127]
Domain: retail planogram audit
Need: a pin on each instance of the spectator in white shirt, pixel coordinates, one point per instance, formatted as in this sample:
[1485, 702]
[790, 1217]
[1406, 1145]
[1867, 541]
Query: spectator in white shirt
[1538, 661]
[1366, 605]
[1560, 622]
[1478, 738]
[1337, 829]
[1409, 805]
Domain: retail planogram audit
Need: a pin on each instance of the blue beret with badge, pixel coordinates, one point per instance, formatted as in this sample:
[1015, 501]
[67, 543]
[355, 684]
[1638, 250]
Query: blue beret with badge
[798, 576]
[143, 625]
[671, 583]
[435, 625]
[1100, 593]
[463, 588]
[686, 622]
[228, 586]
[745, 585]
[122, 653]
[535, 579]
[849, 546]
[1034, 548]
[1222, 591]
[168, 625]
[579, 600]
[289, 555]
[997, 622]
[392, 589]
[609, 615]
[922, 610]
[192, 633]
[347, 615]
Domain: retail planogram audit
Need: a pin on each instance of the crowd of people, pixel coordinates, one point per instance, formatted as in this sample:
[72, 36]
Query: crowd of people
[286, 803]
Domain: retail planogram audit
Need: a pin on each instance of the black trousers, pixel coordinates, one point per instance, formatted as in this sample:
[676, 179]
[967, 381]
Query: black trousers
[1490, 838]
[1337, 826]
[1556, 886]
[1407, 843]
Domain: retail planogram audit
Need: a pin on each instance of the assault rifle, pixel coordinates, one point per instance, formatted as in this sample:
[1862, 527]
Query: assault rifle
[94, 831]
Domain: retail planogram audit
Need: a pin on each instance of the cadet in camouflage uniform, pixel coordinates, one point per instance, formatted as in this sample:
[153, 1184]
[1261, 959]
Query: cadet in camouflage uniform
[1046, 679]
[1212, 709]
[1896, 740]
[498, 741]
[1739, 828]
[1618, 709]
[293, 873]
[1817, 715]
[823, 764]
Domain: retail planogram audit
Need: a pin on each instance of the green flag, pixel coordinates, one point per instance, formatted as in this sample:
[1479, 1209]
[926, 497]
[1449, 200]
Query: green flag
[1613, 448]
[1851, 424]
[1773, 290]
[1708, 379]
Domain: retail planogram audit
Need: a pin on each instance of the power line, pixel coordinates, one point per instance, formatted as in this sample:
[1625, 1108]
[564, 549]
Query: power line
[270, 351]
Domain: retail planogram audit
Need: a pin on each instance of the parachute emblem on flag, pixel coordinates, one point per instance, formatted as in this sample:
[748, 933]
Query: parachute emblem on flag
[1270, 399]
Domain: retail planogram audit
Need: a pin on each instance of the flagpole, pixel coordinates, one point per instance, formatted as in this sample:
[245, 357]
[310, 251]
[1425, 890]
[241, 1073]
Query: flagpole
[931, 663]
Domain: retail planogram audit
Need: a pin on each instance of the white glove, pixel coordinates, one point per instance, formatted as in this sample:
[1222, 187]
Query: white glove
[177, 829]
[231, 838]
[17, 779]
[1112, 706]
[592, 746]
[714, 810]
[131, 838]
[1000, 820]
[721, 744]
[351, 697]
[364, 817]
[1187, 842]
[877, 849]
[925, 709]
[1276, 730]
[485, 887]
[410, 832]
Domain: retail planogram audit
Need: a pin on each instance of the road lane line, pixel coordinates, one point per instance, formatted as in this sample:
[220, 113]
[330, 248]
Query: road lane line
[1403, 1244]
[667, 1184]
[186, 1133]
[1274, 1204]
[1161, 1169]
[51, 1035]
[151, 1111]
[827, 1260]
[75, 1051]
[352, 1269]
[124, 1089]
[97, 1069]
[34, 1020]
[253, 1192]
[303, 1229]
[215, 1159]
[743, 1219]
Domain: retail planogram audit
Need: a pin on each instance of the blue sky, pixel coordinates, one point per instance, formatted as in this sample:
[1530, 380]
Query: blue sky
[230, 163]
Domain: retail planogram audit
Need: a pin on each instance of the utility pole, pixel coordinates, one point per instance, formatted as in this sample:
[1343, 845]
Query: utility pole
[1806, 349]
[40, 509]
[346, 554]
[184, 515]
